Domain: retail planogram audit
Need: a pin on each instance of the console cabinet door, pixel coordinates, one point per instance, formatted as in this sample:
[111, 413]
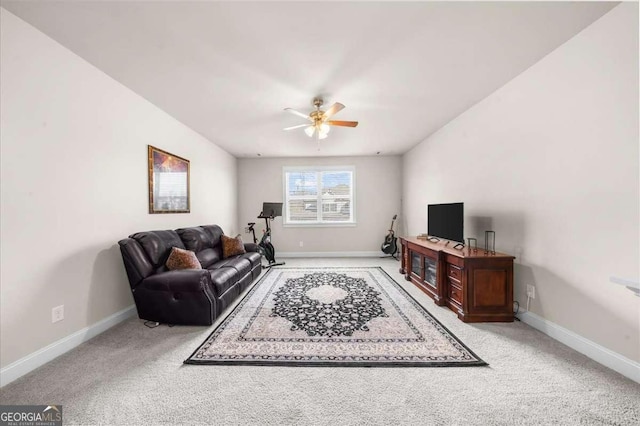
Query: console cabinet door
[430, 271]
[416, 265]
[422, 268]
[489, 291]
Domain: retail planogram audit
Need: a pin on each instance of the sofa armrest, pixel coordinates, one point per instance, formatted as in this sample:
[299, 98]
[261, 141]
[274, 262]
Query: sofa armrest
[184, 280]
[248, 247]
[136, 262]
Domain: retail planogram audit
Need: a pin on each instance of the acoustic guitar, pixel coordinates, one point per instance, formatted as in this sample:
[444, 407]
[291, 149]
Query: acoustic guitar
[390, 244]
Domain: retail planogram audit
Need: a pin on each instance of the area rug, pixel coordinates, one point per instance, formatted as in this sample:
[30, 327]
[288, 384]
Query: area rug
[350, 317]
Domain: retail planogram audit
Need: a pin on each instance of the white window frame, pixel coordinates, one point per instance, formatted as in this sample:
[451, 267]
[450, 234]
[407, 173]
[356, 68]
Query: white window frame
[287, 222]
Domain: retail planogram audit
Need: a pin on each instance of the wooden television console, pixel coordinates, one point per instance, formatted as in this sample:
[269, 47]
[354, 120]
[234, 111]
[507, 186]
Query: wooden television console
[475, 284]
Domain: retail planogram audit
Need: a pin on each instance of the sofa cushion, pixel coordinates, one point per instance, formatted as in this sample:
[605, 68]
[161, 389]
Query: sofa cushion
[223, 279]
[158, 244]
[208, 257]
[253, 257]
[232, 246]
[204, 241]
[195, 238]
[239, 264]
[215, 232]
[182, 259]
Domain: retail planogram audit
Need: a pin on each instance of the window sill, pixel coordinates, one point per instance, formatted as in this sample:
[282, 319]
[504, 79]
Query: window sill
[320, 225]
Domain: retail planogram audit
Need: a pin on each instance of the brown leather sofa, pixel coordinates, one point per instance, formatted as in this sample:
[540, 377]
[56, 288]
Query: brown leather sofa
[188, 296]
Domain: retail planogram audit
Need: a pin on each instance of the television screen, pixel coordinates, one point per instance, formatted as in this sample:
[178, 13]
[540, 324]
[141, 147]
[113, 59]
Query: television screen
[272, 209]
[446, 221]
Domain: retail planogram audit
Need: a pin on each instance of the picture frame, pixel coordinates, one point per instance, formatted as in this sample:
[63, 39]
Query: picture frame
[169, 182]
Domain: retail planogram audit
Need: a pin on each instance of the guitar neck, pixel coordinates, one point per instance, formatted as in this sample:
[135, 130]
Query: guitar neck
[391, 233]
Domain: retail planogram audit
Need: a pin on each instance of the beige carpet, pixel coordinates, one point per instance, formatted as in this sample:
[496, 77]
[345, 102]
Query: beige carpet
[134, 375]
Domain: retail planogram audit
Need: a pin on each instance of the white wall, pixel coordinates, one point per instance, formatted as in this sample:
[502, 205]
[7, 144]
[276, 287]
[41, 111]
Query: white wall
[550, 162]
[378, 191]
[74, 182]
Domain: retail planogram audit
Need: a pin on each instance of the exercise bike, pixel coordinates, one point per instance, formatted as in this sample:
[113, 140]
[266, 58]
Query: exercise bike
[264, 246]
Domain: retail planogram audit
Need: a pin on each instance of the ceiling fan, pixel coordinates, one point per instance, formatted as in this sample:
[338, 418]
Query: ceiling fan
[320, 119]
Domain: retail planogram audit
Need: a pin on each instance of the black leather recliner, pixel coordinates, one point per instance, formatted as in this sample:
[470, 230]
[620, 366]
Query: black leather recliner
[188, 296]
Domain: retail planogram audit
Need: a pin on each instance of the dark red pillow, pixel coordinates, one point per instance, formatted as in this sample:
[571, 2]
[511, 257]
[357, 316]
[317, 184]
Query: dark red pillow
[232, 246]
[182, 259]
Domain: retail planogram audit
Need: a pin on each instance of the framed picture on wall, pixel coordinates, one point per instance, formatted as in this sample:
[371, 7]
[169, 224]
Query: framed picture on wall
[168, 182]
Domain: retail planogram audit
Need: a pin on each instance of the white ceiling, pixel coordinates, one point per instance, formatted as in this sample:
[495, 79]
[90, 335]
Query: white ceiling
[227, 70]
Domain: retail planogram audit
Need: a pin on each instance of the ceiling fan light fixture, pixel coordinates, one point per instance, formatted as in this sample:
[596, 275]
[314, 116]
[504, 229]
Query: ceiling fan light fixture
[323, 131]
[320, 123]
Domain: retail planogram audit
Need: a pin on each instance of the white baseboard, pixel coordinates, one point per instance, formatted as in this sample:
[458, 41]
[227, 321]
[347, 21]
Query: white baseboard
[32, 361]
[625, 366]
[293, 254]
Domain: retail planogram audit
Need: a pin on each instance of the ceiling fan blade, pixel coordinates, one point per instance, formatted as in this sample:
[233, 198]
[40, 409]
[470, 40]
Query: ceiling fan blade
[293, 111]
[295, 127]
[331, 111]
[342, 123]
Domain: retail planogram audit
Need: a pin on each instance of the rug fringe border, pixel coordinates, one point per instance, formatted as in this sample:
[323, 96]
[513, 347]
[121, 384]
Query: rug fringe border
[350, 364]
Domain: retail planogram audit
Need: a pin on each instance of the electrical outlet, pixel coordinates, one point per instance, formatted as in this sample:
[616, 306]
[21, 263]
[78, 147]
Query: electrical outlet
[531, 291]
[301, 244]
[57, 313]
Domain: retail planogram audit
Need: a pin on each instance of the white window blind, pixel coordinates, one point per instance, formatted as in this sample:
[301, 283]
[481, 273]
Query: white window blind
[319, 195]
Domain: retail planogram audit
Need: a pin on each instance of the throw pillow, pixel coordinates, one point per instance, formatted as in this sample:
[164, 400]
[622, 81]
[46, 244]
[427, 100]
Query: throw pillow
[232, 246]
[182, 259]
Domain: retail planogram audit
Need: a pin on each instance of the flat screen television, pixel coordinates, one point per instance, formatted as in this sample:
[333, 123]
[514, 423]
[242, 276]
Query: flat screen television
[446, 221]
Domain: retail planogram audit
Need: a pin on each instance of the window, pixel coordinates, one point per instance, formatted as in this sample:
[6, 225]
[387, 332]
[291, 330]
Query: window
[319, 195]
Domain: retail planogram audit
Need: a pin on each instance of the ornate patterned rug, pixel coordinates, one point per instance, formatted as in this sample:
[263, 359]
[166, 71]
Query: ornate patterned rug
[351, 317]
